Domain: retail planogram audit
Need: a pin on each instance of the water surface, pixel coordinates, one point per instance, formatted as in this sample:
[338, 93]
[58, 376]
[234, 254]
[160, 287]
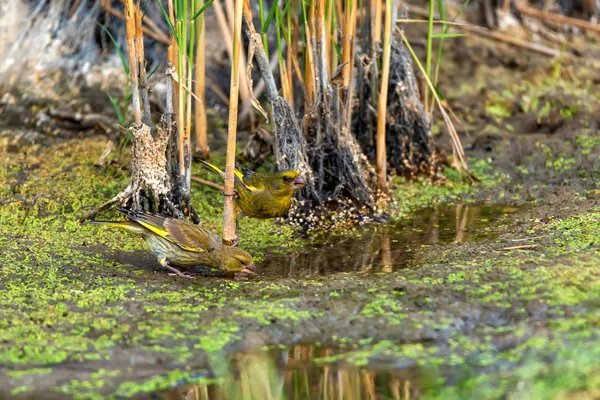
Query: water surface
[298, 373]
[392, 246]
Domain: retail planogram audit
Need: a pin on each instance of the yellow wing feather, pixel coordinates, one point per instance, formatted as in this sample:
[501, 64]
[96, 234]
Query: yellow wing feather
[185, 235]
[156, 229]
[238, 175]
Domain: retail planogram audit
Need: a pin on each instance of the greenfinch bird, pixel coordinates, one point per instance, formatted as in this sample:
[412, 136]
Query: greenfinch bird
[263, 195]
[177, 243]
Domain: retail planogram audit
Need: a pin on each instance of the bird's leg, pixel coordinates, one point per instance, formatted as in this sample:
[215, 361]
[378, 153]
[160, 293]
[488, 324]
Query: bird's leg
[177, 272]
[163, 262]
[234, 195]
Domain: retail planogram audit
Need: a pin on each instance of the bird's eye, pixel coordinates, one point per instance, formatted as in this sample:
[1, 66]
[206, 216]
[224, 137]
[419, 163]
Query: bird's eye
[243, 262]
[287, 179]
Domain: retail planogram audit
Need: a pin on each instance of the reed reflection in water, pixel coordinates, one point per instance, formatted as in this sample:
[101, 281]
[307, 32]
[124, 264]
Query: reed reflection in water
[278, 375]
[392, 246]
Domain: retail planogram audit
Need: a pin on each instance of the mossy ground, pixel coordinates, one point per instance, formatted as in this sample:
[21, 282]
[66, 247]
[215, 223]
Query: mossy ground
[88, 313]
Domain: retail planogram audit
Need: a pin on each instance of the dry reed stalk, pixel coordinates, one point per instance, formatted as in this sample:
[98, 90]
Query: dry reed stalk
[435, 21]
[218, 92]
[460, 161]
[348, 41]
[208, 183]
[224, 27]
[375, 47]
[229, 8]
[309, 70]
[141, 61]
[173, 50]
[284, 66]
[381, 154]
[286, 87]
[339, 6]
[332, 34]
[558, 19]
[182, 135]
[328, 35]
[378, 18]
[522, 247]
[321, 53]
[298, 74]
[480, 31]
[74, 7]
[229, 233]
[188, 111]
[538, 48]
[292, 49]
[314, 61]
[349, 69]
[289, 77]
[151, 30]
[133, 60]
[200, 87]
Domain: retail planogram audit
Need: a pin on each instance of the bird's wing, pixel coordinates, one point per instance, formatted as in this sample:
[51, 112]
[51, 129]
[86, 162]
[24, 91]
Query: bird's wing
[256, 181]
[239, 176]
[188, 236]
[242, 183]
[246, 173]
[213, 168]
[130, 226]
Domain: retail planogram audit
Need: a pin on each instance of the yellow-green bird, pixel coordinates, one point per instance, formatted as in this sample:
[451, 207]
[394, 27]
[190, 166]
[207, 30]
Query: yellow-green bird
[177, 243]
[263, 195]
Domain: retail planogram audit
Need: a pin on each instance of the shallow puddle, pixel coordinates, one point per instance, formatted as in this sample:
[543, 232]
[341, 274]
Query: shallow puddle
[169, 337]
[314, 372]
[298, 373]
[392, 246]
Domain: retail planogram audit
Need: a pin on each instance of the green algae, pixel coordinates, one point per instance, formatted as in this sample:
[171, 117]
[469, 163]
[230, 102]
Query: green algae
[413, 196]
[173, 378]
[20, 390]
[76, 294]
[17, 374]
[379, 350]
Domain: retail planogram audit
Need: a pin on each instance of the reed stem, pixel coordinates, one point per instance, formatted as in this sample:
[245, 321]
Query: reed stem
[133, 60]
[200, 86]
[381, 153]
[229, 232]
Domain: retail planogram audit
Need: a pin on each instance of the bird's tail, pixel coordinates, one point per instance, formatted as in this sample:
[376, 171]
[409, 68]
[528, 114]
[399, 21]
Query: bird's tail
[213, 168]
[130, 226]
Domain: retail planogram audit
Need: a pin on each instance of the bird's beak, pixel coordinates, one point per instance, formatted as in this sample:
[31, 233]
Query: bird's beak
[249, 269]
[299, 182]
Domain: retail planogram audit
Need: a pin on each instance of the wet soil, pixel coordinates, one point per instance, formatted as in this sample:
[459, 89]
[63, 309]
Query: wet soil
[428, 303]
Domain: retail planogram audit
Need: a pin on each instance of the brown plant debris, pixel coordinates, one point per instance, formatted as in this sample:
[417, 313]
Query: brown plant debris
[410, 145]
